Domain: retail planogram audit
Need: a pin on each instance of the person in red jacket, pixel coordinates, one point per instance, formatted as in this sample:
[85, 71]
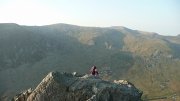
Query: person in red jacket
[94, 71]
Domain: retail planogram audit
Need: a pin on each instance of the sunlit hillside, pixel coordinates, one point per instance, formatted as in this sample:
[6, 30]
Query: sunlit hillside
[148, 60]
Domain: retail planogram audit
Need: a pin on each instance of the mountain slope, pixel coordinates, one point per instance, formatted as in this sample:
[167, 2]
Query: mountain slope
[28, 53]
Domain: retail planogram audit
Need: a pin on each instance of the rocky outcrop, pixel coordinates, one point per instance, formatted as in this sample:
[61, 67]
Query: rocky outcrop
[74, 87]
[22, 96]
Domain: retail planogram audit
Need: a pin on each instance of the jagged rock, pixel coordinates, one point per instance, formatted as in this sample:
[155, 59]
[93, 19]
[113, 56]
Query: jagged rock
[124, 82]
[77, 74]
[23, 96]
[121, 82]
[68, 87]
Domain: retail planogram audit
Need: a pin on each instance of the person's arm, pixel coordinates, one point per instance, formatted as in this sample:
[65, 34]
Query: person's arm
[96, 71]
[91, 70]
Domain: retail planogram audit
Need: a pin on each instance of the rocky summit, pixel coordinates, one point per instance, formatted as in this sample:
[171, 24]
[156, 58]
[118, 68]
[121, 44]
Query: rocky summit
[75, 87]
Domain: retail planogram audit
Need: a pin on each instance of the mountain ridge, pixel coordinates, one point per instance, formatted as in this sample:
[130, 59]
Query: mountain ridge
[64, 24]
[147, 60]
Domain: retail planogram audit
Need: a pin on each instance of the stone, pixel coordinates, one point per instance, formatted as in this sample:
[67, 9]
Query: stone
[68, 87]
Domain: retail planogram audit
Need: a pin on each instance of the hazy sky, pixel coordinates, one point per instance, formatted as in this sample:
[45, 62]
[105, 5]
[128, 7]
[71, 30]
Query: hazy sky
[161, 16]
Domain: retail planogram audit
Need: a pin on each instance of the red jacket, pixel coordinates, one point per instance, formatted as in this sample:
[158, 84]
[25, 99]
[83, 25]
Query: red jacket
[94, 71]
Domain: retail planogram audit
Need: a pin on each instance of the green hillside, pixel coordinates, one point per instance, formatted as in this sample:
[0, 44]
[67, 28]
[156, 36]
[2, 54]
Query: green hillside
[28, 53]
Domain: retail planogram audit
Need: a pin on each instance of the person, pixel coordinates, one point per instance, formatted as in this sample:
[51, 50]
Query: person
[94, 71]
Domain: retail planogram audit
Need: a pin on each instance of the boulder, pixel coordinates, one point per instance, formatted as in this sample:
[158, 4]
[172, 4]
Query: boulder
[69, 87]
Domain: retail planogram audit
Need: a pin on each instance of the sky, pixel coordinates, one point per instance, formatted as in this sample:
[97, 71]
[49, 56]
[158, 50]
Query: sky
[160, 16]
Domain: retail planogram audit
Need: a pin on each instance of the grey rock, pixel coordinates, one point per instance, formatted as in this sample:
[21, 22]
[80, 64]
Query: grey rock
[67, 87]
[23, 96]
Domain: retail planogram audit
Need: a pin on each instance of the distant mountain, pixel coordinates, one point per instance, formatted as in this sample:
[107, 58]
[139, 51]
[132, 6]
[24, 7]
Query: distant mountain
[28, 53]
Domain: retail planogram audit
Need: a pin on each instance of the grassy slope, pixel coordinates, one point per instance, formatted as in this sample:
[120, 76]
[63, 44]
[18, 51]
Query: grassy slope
[156, 68]
[150, 61]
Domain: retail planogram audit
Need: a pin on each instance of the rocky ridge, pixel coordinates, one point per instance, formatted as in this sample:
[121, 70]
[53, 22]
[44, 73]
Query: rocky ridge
[74, 87]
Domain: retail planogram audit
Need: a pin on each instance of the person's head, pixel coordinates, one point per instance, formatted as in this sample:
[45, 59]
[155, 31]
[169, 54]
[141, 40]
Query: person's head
[94, 67]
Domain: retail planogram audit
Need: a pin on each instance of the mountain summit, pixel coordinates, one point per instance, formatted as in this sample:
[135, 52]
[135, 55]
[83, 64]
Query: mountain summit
[72, 87]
